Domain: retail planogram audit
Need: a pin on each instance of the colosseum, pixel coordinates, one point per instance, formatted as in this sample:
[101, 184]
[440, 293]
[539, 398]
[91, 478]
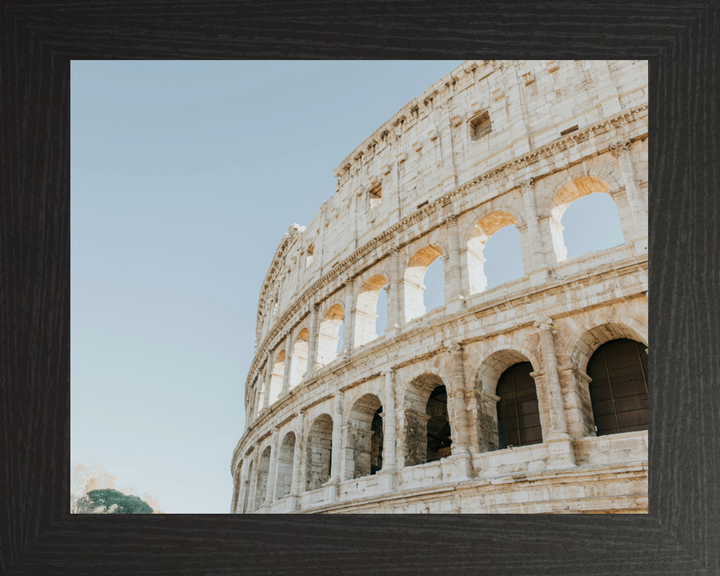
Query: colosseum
[526, 397]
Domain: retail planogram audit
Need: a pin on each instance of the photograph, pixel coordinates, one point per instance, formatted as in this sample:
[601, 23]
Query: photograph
[359, 287]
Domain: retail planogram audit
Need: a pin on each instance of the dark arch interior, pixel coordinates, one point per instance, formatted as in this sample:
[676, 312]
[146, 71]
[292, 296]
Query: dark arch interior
[518, 413]
[377, 442]
[438, 426]
[619, 390]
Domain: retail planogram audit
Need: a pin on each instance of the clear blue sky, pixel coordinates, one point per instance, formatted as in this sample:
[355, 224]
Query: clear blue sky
[185, 176]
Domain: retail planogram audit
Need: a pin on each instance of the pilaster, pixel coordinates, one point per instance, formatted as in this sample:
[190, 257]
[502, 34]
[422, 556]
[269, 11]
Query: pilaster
[562, 454]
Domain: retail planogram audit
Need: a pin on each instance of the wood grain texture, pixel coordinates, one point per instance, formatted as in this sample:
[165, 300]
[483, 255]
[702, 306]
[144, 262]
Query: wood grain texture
[682, 531]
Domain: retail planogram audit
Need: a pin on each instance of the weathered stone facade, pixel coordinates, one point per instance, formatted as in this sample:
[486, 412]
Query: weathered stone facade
[408, 422]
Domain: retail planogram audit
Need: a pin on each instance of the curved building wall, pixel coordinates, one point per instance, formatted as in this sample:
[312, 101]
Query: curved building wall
[408, 422]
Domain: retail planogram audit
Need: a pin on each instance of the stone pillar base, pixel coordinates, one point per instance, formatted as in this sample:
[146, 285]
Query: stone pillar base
[455, 305]
[386, 480]
[539, 275]
[392, 331]
[562, 453]
[457, 467]
[264, 509]
[331, 491]
[641, 245]
[293, 503]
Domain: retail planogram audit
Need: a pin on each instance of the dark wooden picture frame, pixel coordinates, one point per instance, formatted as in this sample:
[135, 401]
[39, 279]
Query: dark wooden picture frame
[681, 533]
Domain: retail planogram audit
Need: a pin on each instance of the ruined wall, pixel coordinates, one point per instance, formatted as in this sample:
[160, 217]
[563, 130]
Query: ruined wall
[490, 145]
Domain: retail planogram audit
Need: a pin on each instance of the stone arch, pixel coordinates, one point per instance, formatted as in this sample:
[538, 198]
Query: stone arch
[329, 334]
[427, 431]
[276, 376]
[472, 218]
[300, 352]
[413, 276]
[382, 268]
[246, 498]
[618, 382]
[263, 384]
[366, 309]
[318, 449]
[363, 438]
[583, 343]
[262, 478]
[487, 375]
[572, 190]
[483, 229]
[237, 487]
[284, 466]
[251, 399]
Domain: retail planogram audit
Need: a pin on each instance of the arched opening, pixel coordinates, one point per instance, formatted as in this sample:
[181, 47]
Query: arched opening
[329, 335]
[417, 271]
[276, 378]
[364, 436]
[319, 452]
[592, 221]
[246, 498]
[493, 252]
[619, 389]
[263, 389]
[427, 425]
[237, 486]
[366, 310]
[299, 357]
[262, 479]
[590, 224]
[438, 426]
[285, 466]
[252, 404]
[518, 413]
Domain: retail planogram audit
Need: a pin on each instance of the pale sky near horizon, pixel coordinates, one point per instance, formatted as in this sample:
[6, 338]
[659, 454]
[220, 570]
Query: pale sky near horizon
[184, 178]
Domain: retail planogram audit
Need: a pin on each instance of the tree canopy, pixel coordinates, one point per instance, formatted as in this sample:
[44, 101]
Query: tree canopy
[91, 477]
[108, 501]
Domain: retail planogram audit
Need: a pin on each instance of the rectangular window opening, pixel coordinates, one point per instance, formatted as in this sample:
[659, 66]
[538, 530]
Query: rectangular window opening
[571, 129]
[375, 195]
[480, 125]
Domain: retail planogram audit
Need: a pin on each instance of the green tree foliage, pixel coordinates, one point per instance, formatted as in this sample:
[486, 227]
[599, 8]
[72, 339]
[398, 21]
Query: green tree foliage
[110, 501]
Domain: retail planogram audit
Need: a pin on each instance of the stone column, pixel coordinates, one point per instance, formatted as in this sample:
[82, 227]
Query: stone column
[390, 432]
[394, 320]
[621, 151]
[236, 491]
[300, 266]
[256, 405]
[456, 401]
[313, 344]
[272, 470]
[562, 454]
[320, 246]
[268, 381]
[349, 312]
[454, 300]
[296, 487]
[288, 362]
[244, 483]
[252, 488]
[332, 485]
[540, 270]
[296, 484]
